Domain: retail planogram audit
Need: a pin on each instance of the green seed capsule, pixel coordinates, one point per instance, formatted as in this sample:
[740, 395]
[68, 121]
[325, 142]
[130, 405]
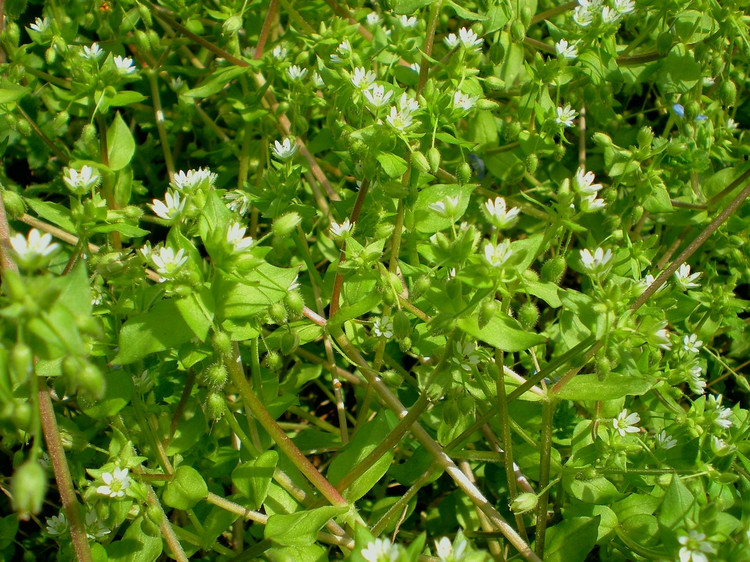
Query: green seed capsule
[728, 92]
[28, 488]
[289, 342]
[463, 173]
[664, 43]
[553, 269]
[274, 361]
[420, 162]
[215, 406]
[222, 344]
[528, 315]
[433, 157]
[295, 303]
[487, 312]
[14, 204]
[278, 313]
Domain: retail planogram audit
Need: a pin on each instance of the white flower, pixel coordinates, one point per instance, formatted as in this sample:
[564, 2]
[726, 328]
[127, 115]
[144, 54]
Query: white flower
[342, 230]
[286, 149]
[466, 355]
[451, 41]
[407, 22]
[590, 203]
[40, 25]
[626, 423]
[660, 336]
[237, 201]
[115, 483]
[167, 262]
[583, 16]
[691, 343]
[170, 210]
[463, 101]
[721, 414]
[499, 214]
[696, 382]
[399, 120]
[192, 180]
[236, 237]
[447, 552]
[447, 207]
[93, 52]
[708, 81]
[609, 15]
[407, 104]
[383, 327]
[32, 251]
[665, 441]
[565, 116]
[279, 52]
[380, 550]
[624, 6]
[685, 279]
[317, 80]
[732, 124]
[373, 18]
[648, 280]
[296, 73]
[57, 524]
[124, 65]
[496, 256]
[566, 50]
[343, 51]
[469, 39]
[81, 181]
[695, 547]
[362, 78]
[176, 83]
[598, 262]
[415, 67]
[95, 529]
[377, 96]
[583, 182]
[719, 446]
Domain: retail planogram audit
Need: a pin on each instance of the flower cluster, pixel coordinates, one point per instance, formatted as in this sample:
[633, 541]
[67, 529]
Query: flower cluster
[584, 185]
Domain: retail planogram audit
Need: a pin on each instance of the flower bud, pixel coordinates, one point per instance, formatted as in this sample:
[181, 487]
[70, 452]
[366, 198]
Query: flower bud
[88, 134]
[28, 488]
[419, 161]
[216, 376]
[487, 312]
[141, 40]
[154, 514]
[289, 342]
[517, 31]
[405, 344]
[215, 406]
[645, 137]
[728, 92]
[692, 110]
[675, 147]
[231, 25]
[524, 503]
[20, 415]
[531, 162]
[463, 173]
[602, 139]
[222, 344]
[553, 269]
[285, 224]
[14, 204]
[528, 315]
[50, 55]
[420, 286]
[664, 43]
[273, 361]
[277, 312]
[90, 381]
[295, 303]
[21, 362]
[511, 131]
[433, 157]
[23, 128]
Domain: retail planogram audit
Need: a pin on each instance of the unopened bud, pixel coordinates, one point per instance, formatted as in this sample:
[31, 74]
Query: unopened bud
[523, 503]
[487, 312]
[28, 488]
[285, 224]
[419, 161]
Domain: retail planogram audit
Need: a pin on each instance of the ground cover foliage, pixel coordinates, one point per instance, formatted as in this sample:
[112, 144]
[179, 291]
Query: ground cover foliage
[409, 279]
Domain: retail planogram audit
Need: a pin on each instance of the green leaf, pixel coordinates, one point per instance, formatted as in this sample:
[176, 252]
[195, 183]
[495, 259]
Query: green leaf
[197, 310]
[483, 128]
[10, 93]
[261, 288]
[120, 144]
[591, 387]
[117, 394]
[679, 505]
[217, 82]
[252, 479]
[393, 165]
[408, 7]
[186, 488]
[571, 540]
[127, 97]
[607, 522]
[8, 530]
[52, 212]
[596, 490]
[501, 331]
[142, 542]
[300, 529]
[365, 440]
[465, 14]
[156, 330]
[426, 219]
[545, 291]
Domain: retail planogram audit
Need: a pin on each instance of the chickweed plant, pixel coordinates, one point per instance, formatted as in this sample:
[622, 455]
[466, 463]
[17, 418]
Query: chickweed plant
[395, 280]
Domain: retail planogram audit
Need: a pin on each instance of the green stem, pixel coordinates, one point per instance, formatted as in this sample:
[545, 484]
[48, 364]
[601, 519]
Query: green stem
[548, 410]
[398, 508]
[429, 42]
[159, 117]
[45, 139]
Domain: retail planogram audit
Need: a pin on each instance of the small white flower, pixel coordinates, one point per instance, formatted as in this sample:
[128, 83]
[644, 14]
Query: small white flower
[497, 255]
[598, 262]
[407, 22]
[81, 181]
[565, 116]
[95, 529]
[447, 207]
[296, 73]
[373, 19]
[115, 483]
[624, 6]
[665, 441]
[463, 101]
[377, 96]
[583, 16]
[407, 104]
[381, 550]
[40, 25]
[583, 182]
[469, 39]
[447, 552]
[342, 230]
[466, 355]
[566, 50]
[279, 52]
[176, 83]
[660, 336]
[718, 445]
[93, 52]
[237, 201]
[343, 52]
[415, 67]
[498, 213]
[167, 262]
[625, 423]
[685, 279]
[691, 343]
[362, 78]
[721, 414]
[124, 65]
[591, 204]
[57, 524]
[383, 327]
[44, 460]
[31, 251]
[172, 207]
[236, 237]
[695, 547]
[286, 149]
[193, 180]
[696, 382]
[317, 80]
[708, 81]
[399, 120]
[609, 15]
[732, 124]
[451, 41]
